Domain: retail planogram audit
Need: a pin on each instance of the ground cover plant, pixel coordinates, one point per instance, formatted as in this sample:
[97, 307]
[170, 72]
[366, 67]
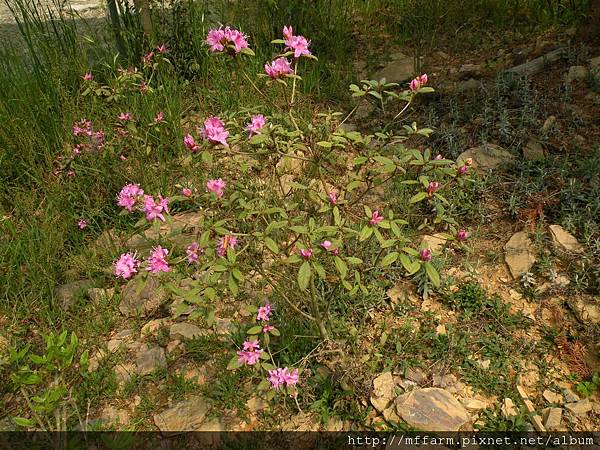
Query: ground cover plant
[227, 218]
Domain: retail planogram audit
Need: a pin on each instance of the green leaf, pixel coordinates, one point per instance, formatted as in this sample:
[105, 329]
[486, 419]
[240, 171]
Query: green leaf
[432, 274]
[418, 197]
[275, 332]
[359, 160]
[365, 233]
[272, 245]
[234, 363]
[233, 285]
[254, 330]
[410, 266]
[354, 260]
[341, 266]
[319, 270]
[325, 144]
[206, 157]
[304, 275]
[237, 274]
[389, 259]
[258, 139]
[23, 422]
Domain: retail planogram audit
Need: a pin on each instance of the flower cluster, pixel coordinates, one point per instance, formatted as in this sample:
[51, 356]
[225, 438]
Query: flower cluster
[219, 39]
[226, 242]
[216, 186]
[433, 186]
[250, 353]
[157, 262]
[282, 376]
[256, 124]
[215, 131]
[375, 218]
[129, 195]
[154, 208]
[278, 68]
[126, 266]
[306, 253]
[190, 143]
[193, 252]
[418, 82]
[465, 167]
[92, 140]
[298, 44]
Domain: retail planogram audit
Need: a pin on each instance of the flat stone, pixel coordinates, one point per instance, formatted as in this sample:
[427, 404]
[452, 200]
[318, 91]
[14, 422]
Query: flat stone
[390, 414]
[508, 409]
[552, 397]
[256, 404]
[579, 408]
[570, 396]
[434, 242]
[585, 312]
[141, 297]
[184, 331]
[549, 123]
[474, 404]
[66, 293]
[402, 68]
[181, 231]
[149, 360]
[552, 418]
[595, 62]
[383, 391]
[432, 409]
[469, 70]
[173, 345]
[519, 254]
[415, 374]
[187, 415]
[533, 151]
[487, 157]
[577, 73]
[154, 325]
[115, 416]
[443, 381]
[98, 295]
[124, 372]
[564, 240]
[536, 420]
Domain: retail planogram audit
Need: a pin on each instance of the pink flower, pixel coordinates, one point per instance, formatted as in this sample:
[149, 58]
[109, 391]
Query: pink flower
[77, 149]
[130, 193]
[438, 157]
[190, 143]
[98, 139]
[433, 186]
[88, 76]
[462, 235]
[154, 209]
[279, 377]
[226, 242]
[333, 197]
[463, 169]
[126, 266]
[216, 186]
[162, 48]
[122, 157]
[418, 82]
[298, 44]
[250, 354]
[264, 312]
[187, 192]
[326, 244]
[81, 223]
[375, 218]
[426, 254]
[124, 116]
[278, 68]
[268, 328]
[214, 131]
[217, 39]
[70, 173]
[306, 253]
[193, 252]
[256, 124]
[148, 57]
[160, 117]
[157, 262]
[82, 128]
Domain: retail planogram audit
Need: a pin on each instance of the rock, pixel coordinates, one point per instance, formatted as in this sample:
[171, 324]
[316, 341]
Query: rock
[66, 293]
[150, 359]
[570, 396]
[469, 70]
[123, 373]
[508, 409]
[179, 307]
[552, 397]
[288, 164]
[595, 62]
[115, 416]
[335, 424]
[468, 86]
[398, 70]
[181, 231]
[441, 55]
[562, 281]
[579, 408]
[95, 360]
[256, 404]
[533, 151]
[432, 409]
[564, 240]
[141, 297]
[173, 345]
[549, 123]
[301, 422]
[364, 110]
[486, 157]
[184, 330]
[519, 254]
[187, 415]
[552, 418]
[224, 326]
[383, 391]
[97, 295]
[415, 374]
[577, 73]
[434, 242]
[407, 385]
[485, 364]
[440, 329]
[390, 414]
[536, 420]
[443, 381]
[473, 404]
[153, 326]
[348, 127]
[585, 312]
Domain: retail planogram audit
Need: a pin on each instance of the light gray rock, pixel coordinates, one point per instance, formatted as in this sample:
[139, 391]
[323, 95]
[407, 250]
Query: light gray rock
[141, 297]
[66, 293]
[552, 418]
[580, 408]
[184, 331]
[400, 69]
[577, 73]
[533, 151]
[383, 391]
[595, 62]
[187, 415]
[432, 409]
[570, 396]
[98, 295]
[415, 374]
[487, 157]
[519, 254]
[565, 241]
[585, 312]
[150, 359]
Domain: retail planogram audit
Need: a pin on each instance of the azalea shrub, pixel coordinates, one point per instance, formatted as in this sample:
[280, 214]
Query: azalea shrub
[288, 204]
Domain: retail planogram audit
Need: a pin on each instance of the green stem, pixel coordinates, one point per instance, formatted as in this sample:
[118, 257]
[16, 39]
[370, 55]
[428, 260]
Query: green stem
[315, 306]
